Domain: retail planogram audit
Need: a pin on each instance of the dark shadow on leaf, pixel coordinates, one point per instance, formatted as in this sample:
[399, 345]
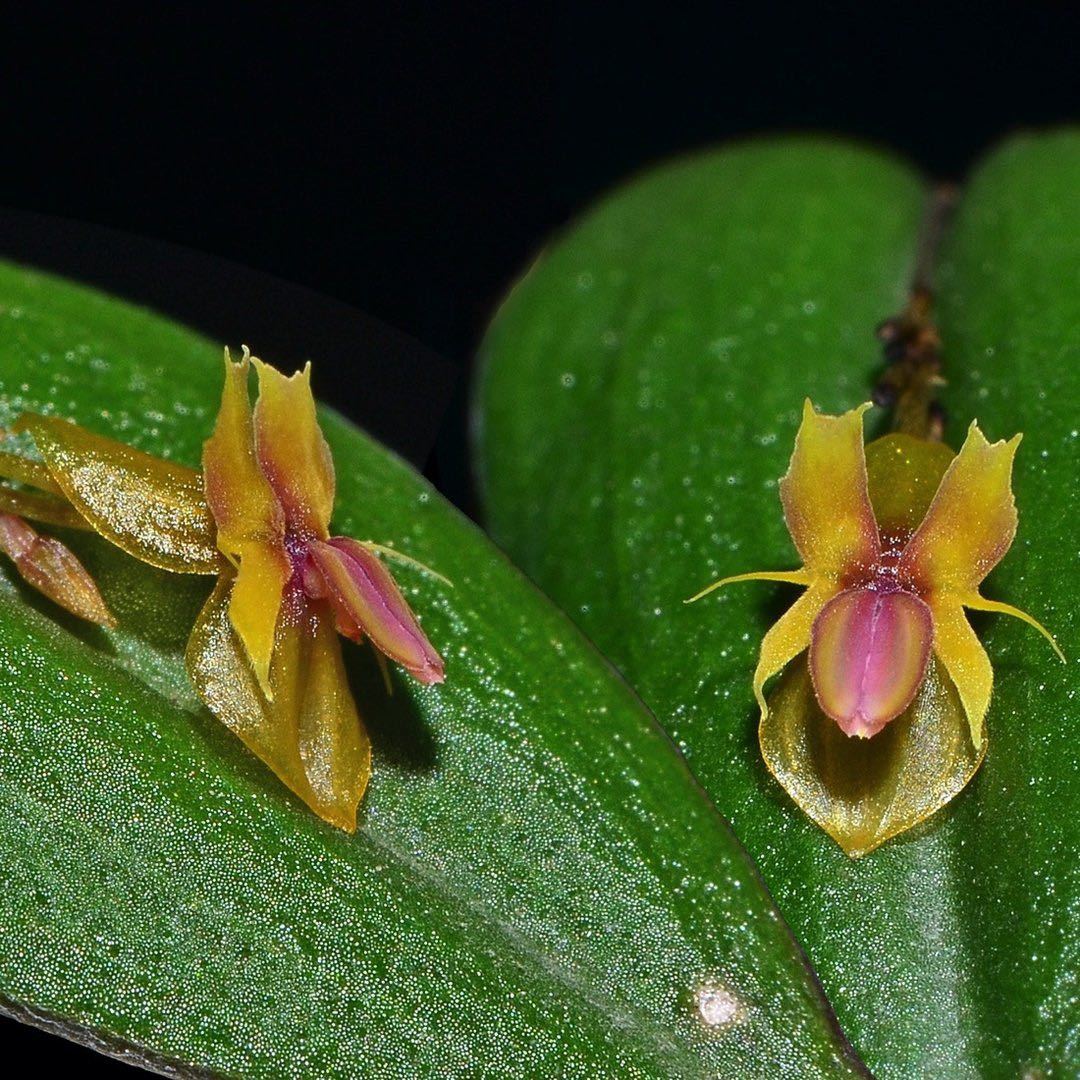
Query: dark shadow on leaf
[154, 605]
[88, 633]
[400, 735]
[779, 599]
[878, 421]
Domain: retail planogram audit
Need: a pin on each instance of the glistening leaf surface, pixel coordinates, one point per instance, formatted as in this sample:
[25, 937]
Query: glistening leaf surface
[639, 398]
[537, 885]
[1010, 314]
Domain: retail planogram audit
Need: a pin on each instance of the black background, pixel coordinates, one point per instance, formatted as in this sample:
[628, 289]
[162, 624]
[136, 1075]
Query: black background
[408, 159]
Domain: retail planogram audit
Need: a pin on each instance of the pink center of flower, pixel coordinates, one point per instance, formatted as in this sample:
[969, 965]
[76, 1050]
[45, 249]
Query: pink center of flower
[868, 654]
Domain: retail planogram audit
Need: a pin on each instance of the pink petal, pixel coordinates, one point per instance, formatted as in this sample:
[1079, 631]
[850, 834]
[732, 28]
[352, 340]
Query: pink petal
[868, 656]
[366, 600]
[53, 570]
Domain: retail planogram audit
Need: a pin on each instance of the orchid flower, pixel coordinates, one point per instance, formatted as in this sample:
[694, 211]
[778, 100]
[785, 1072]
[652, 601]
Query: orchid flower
[264, 654]
[895, 542]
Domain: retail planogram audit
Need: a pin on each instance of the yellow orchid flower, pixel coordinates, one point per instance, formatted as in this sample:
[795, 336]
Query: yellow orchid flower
[895, 541]
[264, 654]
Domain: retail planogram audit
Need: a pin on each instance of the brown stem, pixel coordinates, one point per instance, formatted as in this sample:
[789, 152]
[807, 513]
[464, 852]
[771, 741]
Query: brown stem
[910, 341]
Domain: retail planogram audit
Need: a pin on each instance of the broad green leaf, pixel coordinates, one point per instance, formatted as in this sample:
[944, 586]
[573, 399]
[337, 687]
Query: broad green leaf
[638, 401]
[537, 887]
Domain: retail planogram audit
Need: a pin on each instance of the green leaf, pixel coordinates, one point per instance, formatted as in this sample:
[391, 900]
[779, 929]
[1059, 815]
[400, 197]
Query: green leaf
[538, 886]
[639, 398]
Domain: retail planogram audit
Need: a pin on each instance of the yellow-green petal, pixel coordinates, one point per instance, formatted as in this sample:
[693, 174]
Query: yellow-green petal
[789, 636]
[310, 733]
[824, 494]
[977, 602]
[963, 657]
[971, 521]
[23, 470]
[903, 475]
[254, 603]
[864, 791]
[241, 499]
[292, 451]
[152, 509]
[250, 521]
[48, 509]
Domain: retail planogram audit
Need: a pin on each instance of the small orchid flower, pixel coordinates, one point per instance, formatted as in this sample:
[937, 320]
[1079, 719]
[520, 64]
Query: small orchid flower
[891, 557]
[43, 561]
[270, 483]
[264, 653]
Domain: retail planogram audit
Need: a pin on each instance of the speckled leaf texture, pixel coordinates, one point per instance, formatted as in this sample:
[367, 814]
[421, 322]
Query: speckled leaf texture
[639, 397]
[538, 886]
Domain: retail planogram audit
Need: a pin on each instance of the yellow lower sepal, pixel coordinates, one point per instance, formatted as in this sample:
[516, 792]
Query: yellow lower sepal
[307, 730]
[864, 791]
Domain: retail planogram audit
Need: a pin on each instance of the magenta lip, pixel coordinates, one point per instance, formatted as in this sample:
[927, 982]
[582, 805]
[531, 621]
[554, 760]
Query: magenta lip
[868, 654]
